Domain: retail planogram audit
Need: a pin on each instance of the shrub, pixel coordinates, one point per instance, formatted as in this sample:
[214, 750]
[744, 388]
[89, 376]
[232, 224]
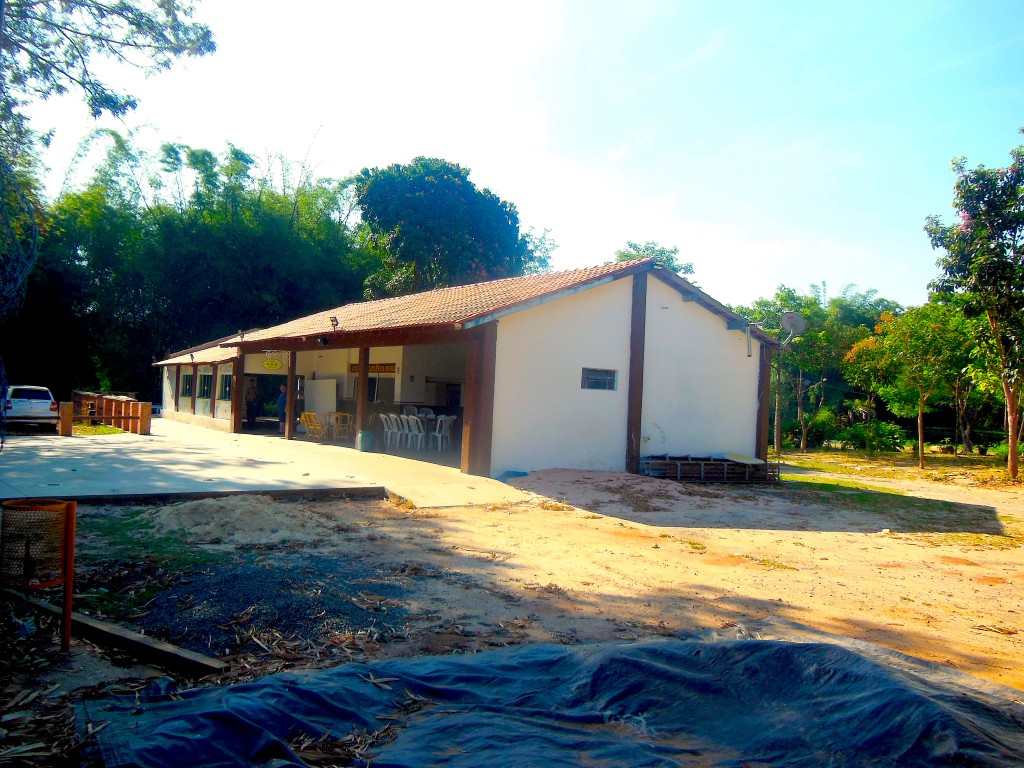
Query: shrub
[884, 437]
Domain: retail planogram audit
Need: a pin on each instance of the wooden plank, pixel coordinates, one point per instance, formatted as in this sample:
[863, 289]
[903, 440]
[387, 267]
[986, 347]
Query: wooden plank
[141, 647]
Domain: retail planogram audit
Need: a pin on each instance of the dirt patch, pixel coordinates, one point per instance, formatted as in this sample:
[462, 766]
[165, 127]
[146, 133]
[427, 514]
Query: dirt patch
[593, 556]
[271, 585]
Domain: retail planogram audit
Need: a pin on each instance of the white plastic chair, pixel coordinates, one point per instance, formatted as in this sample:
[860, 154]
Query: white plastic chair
[426, 413]
[389, 429]
[413, 432]
[408, 410]
[443, 431]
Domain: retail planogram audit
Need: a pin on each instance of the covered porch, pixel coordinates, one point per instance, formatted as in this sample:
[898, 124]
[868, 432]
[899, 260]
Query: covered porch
[420, 393]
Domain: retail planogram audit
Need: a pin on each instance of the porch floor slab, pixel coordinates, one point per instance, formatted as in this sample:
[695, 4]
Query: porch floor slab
[181, 459]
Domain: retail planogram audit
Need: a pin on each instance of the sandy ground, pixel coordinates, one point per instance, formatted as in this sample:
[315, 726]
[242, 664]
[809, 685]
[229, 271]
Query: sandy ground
[936, 573]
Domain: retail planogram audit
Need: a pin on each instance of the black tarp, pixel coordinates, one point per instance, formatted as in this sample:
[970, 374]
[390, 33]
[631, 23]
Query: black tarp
[660, 702]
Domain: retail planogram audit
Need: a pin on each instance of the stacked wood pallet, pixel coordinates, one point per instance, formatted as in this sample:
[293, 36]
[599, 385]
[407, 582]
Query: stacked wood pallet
[709, 469]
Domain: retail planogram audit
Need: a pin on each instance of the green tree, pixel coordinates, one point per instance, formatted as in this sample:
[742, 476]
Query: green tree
[48, 47]
[666, 256]
[865, 366]
[926, 350]
[134, 269]
[983, 260]
[438, 229]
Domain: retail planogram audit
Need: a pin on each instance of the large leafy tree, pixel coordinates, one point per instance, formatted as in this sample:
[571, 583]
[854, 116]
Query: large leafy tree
[437, 229]
[161, 251]
[49, 47]
[983, 260]
[925, 353]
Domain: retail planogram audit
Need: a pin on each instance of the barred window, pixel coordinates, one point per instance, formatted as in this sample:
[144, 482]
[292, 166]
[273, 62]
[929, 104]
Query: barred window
[598, 378]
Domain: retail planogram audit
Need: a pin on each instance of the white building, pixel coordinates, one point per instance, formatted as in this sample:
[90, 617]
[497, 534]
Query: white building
[588, 369]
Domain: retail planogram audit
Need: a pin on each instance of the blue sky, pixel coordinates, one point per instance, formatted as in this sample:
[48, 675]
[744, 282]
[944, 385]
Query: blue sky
[772, 143]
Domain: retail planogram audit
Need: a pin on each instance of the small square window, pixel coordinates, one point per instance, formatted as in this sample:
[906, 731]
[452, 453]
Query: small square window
[598, 378]
[186, 385]
[224, 392]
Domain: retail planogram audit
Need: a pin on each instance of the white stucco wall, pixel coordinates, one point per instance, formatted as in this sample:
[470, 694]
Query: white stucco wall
[167, 387]
[542, 417]
[435, 361]
[700, 388]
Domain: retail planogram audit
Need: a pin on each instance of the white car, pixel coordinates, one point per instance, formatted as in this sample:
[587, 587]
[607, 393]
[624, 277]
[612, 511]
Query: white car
[30, 405]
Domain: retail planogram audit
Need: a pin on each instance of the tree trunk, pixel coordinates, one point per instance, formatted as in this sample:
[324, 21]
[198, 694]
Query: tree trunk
[778, 403]
[801, 417]
[920, 434]
[1012, 422]
[871, 414]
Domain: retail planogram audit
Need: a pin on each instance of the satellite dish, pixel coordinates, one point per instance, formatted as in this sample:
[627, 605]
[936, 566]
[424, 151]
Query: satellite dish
[793, 323]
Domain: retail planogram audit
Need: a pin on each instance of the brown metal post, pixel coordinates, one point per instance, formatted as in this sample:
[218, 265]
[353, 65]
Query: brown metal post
[289, 412]
[145, 418]
[363, 383]
[635, 394]
[195, 387]
[70, 512]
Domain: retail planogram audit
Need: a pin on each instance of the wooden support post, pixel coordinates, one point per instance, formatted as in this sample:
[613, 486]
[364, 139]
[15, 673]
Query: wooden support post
[362, 384]
[145, 418]
[237, 404]
[195, 387]
[635, 393]
[289, 413]
[134, 409]
[177, 387]
[67, 415]
[214, 372]
[478, 408]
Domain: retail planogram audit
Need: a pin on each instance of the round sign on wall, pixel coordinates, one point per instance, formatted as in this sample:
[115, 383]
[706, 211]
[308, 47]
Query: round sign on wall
[272, 364]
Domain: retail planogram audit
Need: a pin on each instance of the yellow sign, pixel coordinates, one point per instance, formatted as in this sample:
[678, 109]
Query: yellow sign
[272, 364]
[374, 368]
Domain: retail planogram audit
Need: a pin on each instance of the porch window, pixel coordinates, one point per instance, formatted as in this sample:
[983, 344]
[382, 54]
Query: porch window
[205, 385]
[224, 391]
[598, 378]
[186, 385]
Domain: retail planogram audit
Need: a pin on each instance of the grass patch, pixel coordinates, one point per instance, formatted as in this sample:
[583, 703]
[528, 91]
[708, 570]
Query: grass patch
[939, 467]
[83, 430]
[970, 540]
[131, 536]
[908, 514]
[769, 563]
[838, 486]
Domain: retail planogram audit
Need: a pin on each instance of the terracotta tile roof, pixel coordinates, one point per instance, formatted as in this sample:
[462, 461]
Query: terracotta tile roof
[217, 351]
[446, 306]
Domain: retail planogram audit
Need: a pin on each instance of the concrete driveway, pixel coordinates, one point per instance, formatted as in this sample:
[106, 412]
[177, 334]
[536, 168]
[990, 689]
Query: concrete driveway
[180, 459]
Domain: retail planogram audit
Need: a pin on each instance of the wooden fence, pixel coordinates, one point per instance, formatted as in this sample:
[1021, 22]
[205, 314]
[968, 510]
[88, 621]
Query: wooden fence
[117, 411]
